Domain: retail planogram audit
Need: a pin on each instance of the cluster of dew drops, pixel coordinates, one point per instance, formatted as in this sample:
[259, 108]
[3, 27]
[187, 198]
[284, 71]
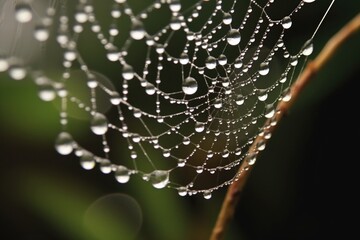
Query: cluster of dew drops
[99, 124]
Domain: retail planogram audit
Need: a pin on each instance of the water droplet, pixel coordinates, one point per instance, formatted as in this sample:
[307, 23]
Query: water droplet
[264, 68]
[105, 166]
[159, 178]
[222, 60]
[207, 194]
[286, 22]
[81, 16]
[251, 159]
[64, 143]
[308, 48]
[122, 174]
[136, 138]
[166, 153]
[189, 86]
[115, 98]
[182, 191]
[238, 63]
[210, 62]
[17, 72]
[239, 99]
[262, 94]
[23, 12]
[294, 61]
[175, 23]
[128, 72]
[186, 141]
[199, 169]
[175, 5]
[227, 18]
[70, 55]
[286, 95]
[137, 113]
[225, 153]
[309, 1]
[138, 31]
[41, 33]
[87, 161]
[4, 64]
[46, 92]
[238, 151]
[113, 54]
[199, 127]
[233, 37]
[218, 103]
[184, 58]
[150, 89]
[283, 79]
[269, 111]
[261, 146]
[99, 124]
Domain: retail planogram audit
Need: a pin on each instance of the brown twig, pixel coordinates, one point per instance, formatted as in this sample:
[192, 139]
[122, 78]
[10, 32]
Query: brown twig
[235, 189]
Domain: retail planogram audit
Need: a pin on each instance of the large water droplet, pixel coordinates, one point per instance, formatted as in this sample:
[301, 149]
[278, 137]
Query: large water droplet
[113, 54]
[222, 60]
[251, 159]
[64, 143]
[105, 166]
[184, 58]
[99, 124]
[122, 174]
[87, 161]
[186, 141]
[159, 178]
[264, 68]
[210, 62]
[238, 63]
[138, 31]
[17, 72]
[23, 12]
[150, 89]
[233, 37]
[189, 86]
[309, 1]
[218, 103]
[182, 191]
[286, 22]
[308, 48]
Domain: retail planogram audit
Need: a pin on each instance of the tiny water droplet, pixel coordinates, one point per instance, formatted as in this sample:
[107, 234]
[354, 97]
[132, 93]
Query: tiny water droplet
[128, 72]
[269, 111]
[264, 68]
[286, 22]
[17, 72]
[175, 23]
[207, 194]
[189, 86]
[99, 124]
[218, 103]
[261, 146]
[286, 95]
[239, 99]
[136, 138]
[251, 159]
[182, 191]
[137, 113]
[137, 31]
[105, 166]
[238, 63]
[233, 37]
[210, 62]
[41, 33]
[309, 1]
[184, 58]
[46, 92]
[308, 48]
[87, 161]
[262, 94]
[64, 143]
[159, 178]
[122, 174]
[150, 89]
[186, 141]
[175, 5]
[227, 18]
[199, 127]
[222, 60]
[113, 54]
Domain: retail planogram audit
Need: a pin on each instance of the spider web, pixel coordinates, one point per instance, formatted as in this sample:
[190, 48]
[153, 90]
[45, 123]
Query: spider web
[172, 91]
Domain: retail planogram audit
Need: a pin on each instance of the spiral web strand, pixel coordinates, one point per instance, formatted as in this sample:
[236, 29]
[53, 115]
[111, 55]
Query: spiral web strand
[192, 82]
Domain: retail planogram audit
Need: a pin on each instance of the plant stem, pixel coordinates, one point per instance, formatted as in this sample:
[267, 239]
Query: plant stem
[236, 188]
